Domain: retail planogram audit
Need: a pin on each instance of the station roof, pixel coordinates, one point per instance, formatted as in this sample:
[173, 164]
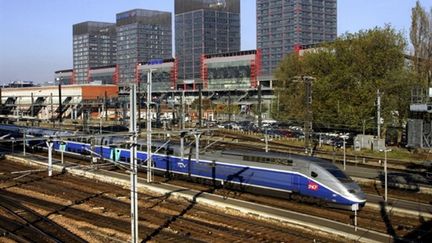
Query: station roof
[86, 91]
[230, 54]
[64, 71]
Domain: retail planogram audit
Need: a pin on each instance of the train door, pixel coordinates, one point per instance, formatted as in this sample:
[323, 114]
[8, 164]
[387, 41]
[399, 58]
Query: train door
[295, 182]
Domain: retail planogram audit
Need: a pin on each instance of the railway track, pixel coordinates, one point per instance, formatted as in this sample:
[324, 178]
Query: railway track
[372, 218]
[171, 224]
[100, 213]
[30, 225]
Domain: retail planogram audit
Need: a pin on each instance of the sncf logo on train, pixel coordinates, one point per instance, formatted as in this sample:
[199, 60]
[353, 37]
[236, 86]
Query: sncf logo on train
[312, 186]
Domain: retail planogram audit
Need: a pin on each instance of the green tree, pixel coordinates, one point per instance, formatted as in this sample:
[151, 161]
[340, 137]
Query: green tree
[421, 39]
[231, 109]
[348, 73]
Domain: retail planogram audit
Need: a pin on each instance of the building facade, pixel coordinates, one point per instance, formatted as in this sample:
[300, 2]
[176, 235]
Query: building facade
[94, 45]
[231, 71]
[283, 26]
[42, 102]
[142, 35]
[103, 75]
[96, 75]
[163, 75]
[204, 27]
[63, 76]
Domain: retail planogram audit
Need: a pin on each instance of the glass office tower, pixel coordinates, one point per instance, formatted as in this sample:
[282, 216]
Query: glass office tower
[204, 27]
[142, 35]
[94, 45]
[283, 26]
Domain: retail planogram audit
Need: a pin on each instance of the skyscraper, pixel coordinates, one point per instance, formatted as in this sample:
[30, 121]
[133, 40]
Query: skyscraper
[204, 27]
[142, 35]
[94, 45]
[285, 25]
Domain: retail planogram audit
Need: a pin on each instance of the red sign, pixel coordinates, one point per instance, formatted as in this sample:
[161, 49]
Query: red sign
[313, 186]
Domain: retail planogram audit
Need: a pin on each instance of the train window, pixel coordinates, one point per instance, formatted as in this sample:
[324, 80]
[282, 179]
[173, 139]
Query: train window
[314, 175]
[170, 152]
[340, 175]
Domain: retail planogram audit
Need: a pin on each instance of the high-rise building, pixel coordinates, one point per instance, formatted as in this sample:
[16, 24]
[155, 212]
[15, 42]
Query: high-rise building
[142, 35]
[204, 27]
[283, 26]
[94, 45]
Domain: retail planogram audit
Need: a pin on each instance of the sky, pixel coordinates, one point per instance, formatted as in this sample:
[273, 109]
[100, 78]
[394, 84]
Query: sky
[36, 35]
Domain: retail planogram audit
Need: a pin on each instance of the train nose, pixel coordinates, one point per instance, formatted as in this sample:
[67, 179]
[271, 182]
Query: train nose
[356, 191]
[361, 196]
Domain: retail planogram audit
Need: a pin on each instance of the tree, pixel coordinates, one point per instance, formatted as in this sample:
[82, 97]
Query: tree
[421, 39]
[348, 73]
[290, 92]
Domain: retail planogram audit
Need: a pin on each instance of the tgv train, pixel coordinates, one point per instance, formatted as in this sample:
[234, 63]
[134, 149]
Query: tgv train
[307, 178]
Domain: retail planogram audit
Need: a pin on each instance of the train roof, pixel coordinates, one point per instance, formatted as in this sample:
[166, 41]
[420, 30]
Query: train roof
[275, 155]
[298, 159]
[230, 159]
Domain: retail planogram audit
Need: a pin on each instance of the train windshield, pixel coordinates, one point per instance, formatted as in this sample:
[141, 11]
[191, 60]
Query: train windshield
[340, 175]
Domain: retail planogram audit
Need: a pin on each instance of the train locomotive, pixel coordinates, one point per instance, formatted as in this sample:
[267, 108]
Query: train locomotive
[295, 176]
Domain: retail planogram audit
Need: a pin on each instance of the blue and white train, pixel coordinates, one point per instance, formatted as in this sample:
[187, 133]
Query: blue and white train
[291, 175]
